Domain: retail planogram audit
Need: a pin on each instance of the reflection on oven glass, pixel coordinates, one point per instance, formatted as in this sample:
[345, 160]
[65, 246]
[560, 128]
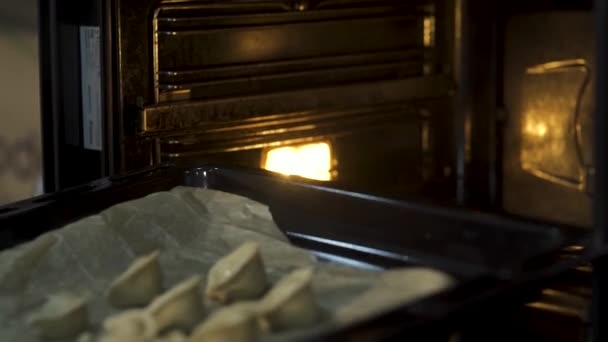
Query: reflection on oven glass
[428, 32]
[550, 129]
[311, 161]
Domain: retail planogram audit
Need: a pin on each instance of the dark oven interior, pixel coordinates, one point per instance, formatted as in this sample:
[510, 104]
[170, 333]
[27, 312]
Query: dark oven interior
[439, 99]
[225, 82]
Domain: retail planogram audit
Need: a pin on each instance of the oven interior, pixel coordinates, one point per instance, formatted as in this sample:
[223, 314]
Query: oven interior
[442, 99]
[465, 102]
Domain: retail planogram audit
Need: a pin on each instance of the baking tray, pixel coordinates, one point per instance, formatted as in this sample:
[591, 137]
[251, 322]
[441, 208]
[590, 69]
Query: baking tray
[492, 257]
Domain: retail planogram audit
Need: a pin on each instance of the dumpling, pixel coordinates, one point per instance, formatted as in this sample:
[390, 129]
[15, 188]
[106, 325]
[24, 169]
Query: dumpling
[130, 325]
[234, 323]
[173, 336]
[181, 307]
[62, 316]
[139, 284]
[238, 276]
[291, 303]
[86, 336]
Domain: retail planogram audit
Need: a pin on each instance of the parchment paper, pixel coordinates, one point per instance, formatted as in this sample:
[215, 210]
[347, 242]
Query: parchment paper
[192, 228]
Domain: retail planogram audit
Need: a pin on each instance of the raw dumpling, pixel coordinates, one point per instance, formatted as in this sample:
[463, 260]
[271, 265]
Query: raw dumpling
[173, 336]
[394, 288]
[291, 303]
[62, 316]
[234, 323]
[180, 308]
[86, 337]
[237, 276]
[130, 325]
[139, 284]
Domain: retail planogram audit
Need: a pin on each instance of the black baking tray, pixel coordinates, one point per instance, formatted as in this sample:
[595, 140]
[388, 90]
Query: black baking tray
[492, 257]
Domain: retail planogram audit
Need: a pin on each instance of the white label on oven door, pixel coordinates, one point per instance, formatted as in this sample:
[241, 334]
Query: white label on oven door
[90, 71]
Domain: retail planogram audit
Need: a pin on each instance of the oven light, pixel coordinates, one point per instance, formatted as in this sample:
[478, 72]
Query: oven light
[538, 129]
[309, 161]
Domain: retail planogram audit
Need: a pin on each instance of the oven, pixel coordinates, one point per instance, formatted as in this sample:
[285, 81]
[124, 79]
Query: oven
[487, 107]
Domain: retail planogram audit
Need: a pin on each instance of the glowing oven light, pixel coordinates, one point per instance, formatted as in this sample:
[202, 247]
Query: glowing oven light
[538, 129]
[309, 161]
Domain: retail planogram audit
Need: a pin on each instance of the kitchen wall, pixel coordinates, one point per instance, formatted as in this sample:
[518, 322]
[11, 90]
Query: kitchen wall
[20, 152]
